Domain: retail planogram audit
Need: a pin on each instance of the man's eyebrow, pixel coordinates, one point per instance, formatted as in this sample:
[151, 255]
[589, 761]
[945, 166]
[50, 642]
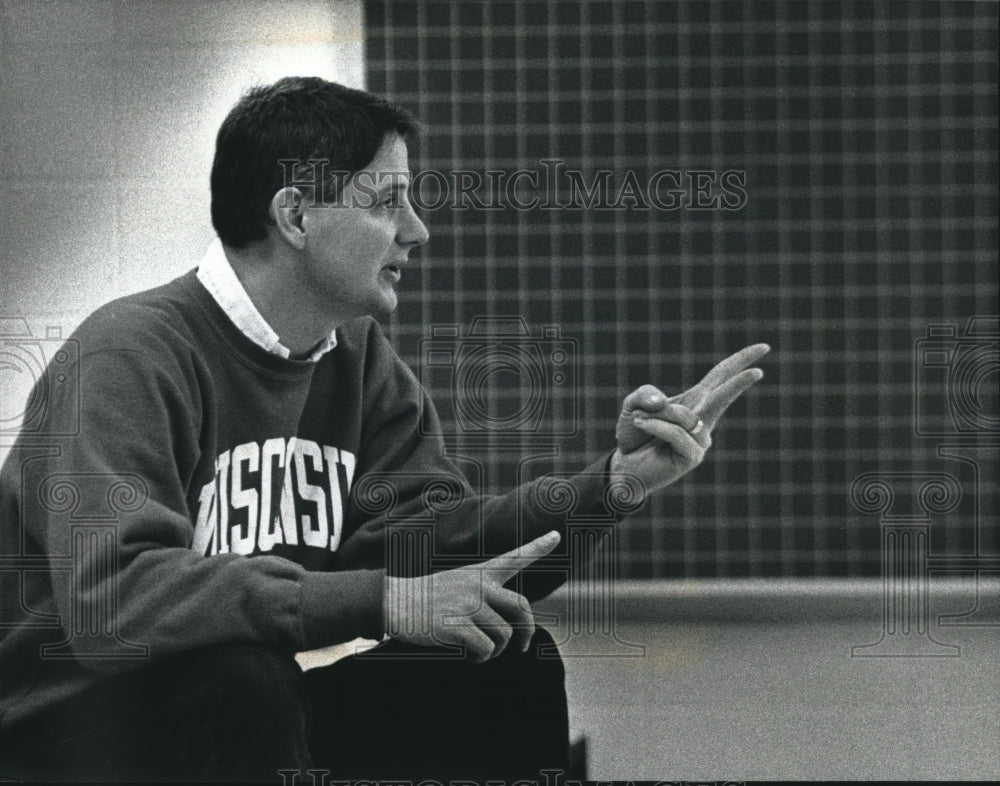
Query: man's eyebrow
[393, 181]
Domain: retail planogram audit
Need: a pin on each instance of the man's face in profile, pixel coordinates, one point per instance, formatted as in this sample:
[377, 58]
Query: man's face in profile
[356, 246]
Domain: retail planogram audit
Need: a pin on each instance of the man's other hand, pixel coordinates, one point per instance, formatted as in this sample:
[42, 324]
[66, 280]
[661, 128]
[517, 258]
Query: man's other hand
[467, 606]
[661, 439]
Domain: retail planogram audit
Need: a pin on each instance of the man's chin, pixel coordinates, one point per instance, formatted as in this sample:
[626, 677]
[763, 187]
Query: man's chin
[383, 308]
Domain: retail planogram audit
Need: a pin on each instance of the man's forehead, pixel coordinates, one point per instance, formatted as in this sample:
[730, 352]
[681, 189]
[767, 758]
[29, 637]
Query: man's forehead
[388, 171]
[393, 156]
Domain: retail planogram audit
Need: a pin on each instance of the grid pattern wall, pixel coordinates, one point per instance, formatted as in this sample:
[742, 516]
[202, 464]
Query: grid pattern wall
[830, 188]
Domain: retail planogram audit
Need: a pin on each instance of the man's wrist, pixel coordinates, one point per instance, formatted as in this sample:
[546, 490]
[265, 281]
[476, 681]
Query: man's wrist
[631, 487]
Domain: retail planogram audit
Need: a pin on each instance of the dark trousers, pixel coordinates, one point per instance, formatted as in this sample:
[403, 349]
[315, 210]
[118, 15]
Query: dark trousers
[247, 711]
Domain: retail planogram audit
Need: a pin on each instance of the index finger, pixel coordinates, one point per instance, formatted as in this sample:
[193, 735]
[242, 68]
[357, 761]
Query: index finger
[733, 365]
[718, 401]
[647, 397]
[508, 564]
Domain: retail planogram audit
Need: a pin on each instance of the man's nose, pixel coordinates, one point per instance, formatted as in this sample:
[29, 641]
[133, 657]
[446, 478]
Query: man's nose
[413, 231]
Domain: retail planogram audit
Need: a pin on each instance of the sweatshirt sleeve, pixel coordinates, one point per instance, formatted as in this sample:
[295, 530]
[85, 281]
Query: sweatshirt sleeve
[403, 451]
[129, 464]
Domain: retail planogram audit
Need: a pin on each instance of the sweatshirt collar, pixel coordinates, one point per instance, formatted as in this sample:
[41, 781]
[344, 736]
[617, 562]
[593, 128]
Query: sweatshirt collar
[218, 277]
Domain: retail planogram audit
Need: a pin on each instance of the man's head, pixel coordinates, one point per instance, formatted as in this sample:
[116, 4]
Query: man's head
[327, 257]
[300, 119]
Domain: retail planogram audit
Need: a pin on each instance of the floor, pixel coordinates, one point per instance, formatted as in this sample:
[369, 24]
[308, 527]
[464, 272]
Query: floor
[784, 696]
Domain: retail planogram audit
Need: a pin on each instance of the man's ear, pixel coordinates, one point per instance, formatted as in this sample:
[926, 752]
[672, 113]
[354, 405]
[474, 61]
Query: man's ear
[286, 210]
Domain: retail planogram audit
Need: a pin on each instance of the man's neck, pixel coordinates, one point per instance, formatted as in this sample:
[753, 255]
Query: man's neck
[261, 271]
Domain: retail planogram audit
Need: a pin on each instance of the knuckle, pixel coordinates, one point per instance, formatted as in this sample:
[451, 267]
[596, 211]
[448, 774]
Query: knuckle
[680, 409]
[685, 399]
[675, 411]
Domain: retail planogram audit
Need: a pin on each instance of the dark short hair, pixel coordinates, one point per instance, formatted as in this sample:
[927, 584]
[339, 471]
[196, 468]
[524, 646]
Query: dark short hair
[298, 118]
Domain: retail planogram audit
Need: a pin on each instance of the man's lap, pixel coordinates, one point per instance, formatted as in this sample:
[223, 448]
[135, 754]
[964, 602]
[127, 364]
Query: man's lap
[432, 715]
[394, 712]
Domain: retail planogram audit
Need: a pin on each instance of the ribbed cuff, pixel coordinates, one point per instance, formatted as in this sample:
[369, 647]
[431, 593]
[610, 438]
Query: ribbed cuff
[594, 494]
[340, 606]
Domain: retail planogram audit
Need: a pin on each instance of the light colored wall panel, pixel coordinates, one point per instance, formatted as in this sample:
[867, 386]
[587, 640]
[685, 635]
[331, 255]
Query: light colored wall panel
[108, 116]
[124, 97]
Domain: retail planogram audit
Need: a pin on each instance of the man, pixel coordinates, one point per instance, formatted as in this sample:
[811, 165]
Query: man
[230, 419]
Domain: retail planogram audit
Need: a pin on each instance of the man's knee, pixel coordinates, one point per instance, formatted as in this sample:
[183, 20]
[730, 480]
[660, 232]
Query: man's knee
[542, 656]
[449, 718]
[244, 710]
[250, 673]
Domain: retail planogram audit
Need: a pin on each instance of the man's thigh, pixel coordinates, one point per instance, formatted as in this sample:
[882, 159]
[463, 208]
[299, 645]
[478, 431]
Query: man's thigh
[228, 711]
[404, 712]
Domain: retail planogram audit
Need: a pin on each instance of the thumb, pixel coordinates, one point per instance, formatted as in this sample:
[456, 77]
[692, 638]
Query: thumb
[507, 565]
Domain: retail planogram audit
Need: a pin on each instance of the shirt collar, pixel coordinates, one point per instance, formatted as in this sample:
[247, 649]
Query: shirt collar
[218, 277]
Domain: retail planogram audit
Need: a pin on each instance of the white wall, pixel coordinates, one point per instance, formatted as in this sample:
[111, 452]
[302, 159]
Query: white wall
[108, 115]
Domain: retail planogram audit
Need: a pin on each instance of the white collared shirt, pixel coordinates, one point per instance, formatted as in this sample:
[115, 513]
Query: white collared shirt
[218, 277]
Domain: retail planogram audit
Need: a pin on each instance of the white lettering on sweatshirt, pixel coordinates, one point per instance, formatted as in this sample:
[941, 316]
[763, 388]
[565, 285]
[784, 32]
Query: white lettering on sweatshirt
[288, 491]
